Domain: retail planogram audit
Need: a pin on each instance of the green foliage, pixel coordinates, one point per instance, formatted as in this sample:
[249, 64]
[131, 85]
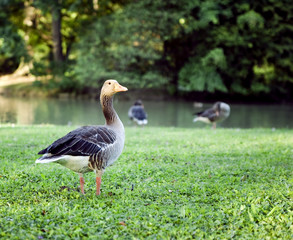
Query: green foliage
[126, 45]
[251, 20]
[249, 34]
[203, 75]
[234, 47]
[175, 184]
[255, 43]
[12, 45]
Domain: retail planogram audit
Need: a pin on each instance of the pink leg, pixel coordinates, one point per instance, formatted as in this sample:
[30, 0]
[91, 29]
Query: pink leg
[99, 174]
[214, 125]
[98, 182]
[81, 180]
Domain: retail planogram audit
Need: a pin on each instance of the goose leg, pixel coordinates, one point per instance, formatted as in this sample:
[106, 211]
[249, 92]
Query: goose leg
[99, 174]
[214, 125]
[81, 180]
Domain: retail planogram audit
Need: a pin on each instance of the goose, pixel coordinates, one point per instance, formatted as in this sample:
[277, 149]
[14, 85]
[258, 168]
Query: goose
[91, 148]
[137, 113]
[218, 112]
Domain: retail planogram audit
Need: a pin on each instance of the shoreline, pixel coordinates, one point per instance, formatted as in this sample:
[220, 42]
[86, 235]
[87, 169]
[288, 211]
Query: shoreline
[20, 85]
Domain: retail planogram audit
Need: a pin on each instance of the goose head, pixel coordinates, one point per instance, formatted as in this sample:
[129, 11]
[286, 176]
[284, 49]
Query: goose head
[111, 87]
[138, 103]
[222, 109]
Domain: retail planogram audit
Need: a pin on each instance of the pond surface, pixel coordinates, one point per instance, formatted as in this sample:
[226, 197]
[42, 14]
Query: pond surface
[160, 113]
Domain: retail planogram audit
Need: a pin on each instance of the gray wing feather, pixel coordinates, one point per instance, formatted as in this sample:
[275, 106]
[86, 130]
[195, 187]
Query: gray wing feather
[83, 141]
[209, 113]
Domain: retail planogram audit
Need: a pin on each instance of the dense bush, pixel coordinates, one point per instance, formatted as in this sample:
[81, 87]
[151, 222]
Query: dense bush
[12, 45]
[196, 46]
[240, 48]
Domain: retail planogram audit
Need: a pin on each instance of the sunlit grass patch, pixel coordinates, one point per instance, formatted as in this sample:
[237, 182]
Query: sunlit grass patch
[168, 183]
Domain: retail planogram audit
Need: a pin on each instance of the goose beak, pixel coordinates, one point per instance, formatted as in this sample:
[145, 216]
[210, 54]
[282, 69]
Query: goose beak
[119, 88]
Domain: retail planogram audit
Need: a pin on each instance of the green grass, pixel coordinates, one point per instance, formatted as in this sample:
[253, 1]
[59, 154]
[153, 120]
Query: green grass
[169, 183]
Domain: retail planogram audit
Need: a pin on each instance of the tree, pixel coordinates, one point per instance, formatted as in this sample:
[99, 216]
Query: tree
[237, 48]
[131, 44]
[12, 45]
[66, 20]
[56, 33]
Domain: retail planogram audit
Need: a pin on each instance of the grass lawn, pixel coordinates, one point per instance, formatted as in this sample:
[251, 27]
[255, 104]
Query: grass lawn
[169, 183]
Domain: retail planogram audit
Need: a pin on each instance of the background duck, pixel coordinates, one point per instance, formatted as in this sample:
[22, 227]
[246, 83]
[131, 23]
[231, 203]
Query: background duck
[137, 113]
[91, 148]
[218, 112]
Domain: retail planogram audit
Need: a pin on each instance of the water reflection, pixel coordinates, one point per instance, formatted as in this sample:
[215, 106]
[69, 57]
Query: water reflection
[16, 111]
[162, 113]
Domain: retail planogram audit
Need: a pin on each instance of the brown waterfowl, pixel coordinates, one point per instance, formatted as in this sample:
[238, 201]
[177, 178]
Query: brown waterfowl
[137, 113]
[91, 148]
[219, 112]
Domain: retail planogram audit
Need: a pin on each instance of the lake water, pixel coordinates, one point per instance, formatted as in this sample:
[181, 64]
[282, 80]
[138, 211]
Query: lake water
[28, 111]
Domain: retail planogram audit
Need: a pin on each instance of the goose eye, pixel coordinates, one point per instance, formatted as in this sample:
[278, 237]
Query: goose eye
[109, 83]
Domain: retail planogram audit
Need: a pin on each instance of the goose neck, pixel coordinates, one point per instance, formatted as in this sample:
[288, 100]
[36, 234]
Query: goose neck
[108, 109]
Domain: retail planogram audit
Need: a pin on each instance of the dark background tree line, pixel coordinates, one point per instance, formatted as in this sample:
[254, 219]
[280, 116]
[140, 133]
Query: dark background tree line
[232, 48]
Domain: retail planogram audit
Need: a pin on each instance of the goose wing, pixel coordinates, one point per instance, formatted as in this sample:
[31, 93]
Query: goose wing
[83, 141]
[211, 114]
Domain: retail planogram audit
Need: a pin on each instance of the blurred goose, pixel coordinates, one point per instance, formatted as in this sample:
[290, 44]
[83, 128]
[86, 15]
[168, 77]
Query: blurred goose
[219, 112]
[197, 104]
[137, 114]
[91, 148]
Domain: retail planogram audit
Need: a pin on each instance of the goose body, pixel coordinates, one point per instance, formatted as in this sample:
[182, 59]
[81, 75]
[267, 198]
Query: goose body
[91, 148]
[218, 112]
[137, 113]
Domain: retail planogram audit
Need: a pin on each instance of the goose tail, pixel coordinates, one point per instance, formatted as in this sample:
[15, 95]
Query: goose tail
[195, 119]
[48, 158]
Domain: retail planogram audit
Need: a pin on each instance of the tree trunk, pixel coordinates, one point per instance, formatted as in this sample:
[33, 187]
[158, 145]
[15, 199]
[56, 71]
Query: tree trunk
[56, 34]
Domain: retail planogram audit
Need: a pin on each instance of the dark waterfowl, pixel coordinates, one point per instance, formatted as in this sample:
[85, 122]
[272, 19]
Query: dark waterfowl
[91, 148]
[137, 113]
[219, 112]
